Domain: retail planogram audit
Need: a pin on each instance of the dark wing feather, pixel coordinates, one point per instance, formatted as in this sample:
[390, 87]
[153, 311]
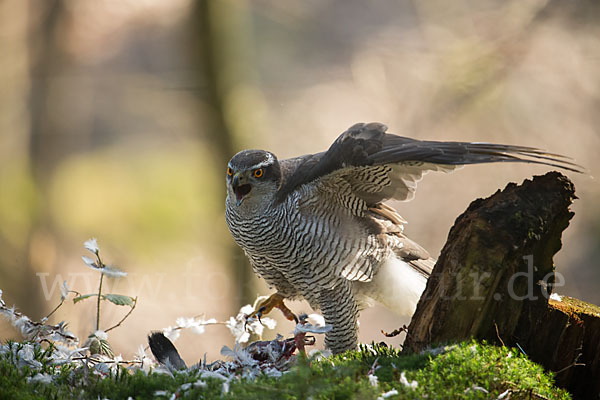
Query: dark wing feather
[364, 148]
[365, 166]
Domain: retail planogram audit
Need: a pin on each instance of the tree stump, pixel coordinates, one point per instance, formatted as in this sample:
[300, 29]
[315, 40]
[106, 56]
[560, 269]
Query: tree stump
[495, 275]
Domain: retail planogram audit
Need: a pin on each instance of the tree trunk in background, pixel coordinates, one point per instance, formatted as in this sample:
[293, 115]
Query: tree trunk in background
[45, 146]
[17, 196]
[222, 50]
[493, 279]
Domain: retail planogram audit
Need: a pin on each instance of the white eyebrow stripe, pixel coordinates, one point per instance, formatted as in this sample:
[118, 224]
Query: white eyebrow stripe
[264, 163]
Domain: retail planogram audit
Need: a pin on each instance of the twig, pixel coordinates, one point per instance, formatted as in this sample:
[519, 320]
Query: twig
[55, 308]
[100, 265]
[573, 364]
[498, 334]
[395, 332]
[61, 303]
[56, 329]
[530, 392]
[98, 302]
[95, 360]
[125, 317]
[373, 367]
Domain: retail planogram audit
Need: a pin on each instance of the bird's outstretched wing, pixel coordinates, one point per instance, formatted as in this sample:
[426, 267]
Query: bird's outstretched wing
[373, 166]
[366, 166]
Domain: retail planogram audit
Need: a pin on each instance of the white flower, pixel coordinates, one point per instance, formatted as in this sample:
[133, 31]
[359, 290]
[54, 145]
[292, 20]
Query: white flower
[269, 322]
[373, 380]
[184, 322]
[405, 382]
[172, 333]
[241, 326]
[385, 395]
[92, 245]
[100, 334]
[555, 297]
[112, 271]
[196, 325]
[89, 262]
[140, 354]
[237, 329]
[108, 270]
[246, 310]
[198, 330]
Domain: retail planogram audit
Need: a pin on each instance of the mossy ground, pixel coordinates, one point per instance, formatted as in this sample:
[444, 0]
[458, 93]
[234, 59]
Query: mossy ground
[468, 370]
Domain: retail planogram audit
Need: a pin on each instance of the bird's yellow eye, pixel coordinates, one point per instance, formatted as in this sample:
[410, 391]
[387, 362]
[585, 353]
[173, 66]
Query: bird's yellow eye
[258, 173]
[229, 171]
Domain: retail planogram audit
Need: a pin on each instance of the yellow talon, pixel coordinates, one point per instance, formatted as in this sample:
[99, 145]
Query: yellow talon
[274, 301]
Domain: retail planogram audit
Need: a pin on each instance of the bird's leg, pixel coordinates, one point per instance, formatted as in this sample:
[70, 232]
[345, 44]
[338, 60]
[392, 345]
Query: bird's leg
[339, 309]
[274, 301]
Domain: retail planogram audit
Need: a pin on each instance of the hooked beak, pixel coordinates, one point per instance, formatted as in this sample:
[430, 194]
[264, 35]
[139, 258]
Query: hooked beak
[240, 187]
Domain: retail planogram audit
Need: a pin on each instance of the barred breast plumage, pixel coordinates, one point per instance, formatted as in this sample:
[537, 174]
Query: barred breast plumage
[316, 227]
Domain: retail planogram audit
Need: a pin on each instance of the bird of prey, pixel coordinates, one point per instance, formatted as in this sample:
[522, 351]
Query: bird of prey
[316, 227]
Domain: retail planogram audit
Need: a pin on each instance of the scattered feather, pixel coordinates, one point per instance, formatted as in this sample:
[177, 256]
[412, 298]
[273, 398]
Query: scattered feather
[386, 395]
[405, 382]
[309, 328]
[373, 380]
[40, 378]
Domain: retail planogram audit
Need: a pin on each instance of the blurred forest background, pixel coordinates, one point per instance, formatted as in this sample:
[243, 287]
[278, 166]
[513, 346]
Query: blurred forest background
[117, 119]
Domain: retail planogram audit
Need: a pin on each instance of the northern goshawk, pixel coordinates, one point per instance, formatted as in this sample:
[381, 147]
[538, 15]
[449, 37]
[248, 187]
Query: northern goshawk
[315, 227]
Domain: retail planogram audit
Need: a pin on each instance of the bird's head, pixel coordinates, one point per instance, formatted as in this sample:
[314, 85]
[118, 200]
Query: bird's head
[252, 178]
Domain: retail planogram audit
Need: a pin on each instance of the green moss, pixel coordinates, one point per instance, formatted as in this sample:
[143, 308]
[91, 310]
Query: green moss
[468, 370]
[574, 306]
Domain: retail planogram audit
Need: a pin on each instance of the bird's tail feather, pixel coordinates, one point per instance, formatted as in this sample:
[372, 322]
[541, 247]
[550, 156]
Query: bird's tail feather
[397, 285]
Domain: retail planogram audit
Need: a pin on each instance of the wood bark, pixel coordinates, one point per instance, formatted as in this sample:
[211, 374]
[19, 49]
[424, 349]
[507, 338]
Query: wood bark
[494, 277]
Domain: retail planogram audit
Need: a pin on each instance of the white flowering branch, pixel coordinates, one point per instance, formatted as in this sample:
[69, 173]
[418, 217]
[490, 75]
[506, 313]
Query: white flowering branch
[270, 357]
[37, 331]
[98, 265]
